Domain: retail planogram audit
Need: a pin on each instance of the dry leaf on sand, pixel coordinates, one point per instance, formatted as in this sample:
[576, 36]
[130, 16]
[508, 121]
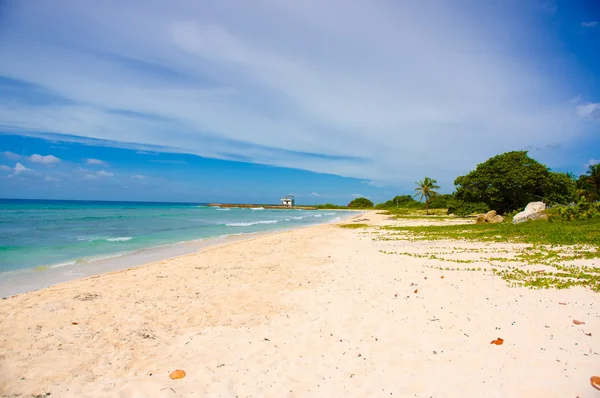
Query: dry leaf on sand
[595, 382]
[416, 290]
[498, 341]
[178, 374]
[576, 322]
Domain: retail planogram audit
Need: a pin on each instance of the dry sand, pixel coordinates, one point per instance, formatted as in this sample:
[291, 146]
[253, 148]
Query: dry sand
[315, 312]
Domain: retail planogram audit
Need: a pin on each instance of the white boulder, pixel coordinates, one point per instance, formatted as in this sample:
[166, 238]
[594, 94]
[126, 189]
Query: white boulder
[533, 211]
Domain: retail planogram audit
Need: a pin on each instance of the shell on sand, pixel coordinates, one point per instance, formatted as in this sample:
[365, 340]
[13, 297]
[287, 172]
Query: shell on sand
[177, 374]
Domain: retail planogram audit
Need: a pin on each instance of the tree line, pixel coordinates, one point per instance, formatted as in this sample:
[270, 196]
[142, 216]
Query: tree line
[505, 183]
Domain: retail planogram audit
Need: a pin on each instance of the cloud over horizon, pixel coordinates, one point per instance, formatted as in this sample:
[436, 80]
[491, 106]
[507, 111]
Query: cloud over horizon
[387, 92]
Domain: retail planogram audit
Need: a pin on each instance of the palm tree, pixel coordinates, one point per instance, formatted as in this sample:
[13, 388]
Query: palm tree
[593, 177]
[426, 189]
[583, 189]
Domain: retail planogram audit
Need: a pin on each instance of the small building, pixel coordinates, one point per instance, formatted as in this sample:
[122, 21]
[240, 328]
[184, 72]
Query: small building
[287, 201]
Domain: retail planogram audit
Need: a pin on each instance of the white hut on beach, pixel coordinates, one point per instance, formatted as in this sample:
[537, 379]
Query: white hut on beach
[287, 201]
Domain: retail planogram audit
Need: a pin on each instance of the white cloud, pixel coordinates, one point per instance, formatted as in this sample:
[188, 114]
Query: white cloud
[96, 162]
[20, 169]
[139, 177]
[590, 24]
[5, 168]
[51, 179]
[589, 110]
[316, 194]
[592, 162]
[389, 92]
[103, 173]
[11, 155]
[89, 177]
[48, 159]
[358, 195]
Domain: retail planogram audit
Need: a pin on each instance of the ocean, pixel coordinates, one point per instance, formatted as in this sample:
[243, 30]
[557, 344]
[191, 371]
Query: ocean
[62, 238]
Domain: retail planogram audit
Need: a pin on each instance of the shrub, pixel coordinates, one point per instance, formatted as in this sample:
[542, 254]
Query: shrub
[361, 203]
[583, 210]
[463, 209]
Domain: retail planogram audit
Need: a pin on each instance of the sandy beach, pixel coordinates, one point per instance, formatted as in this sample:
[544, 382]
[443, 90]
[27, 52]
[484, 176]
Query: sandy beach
[314, 312]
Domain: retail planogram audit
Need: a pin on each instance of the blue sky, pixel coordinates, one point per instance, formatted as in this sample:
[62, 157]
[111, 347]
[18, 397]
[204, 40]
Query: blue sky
[247, 101]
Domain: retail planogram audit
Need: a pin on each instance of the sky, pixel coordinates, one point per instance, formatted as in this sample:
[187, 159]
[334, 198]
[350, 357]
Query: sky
[246, 101]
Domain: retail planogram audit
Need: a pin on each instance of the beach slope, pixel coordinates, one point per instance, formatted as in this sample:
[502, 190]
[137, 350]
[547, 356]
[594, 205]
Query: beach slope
[319, 311]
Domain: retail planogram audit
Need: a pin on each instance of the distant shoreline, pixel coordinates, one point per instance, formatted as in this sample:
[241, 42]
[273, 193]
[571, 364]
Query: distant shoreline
[270, 207]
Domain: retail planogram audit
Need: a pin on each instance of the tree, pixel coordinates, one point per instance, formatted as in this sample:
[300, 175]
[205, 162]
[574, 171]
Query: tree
[593, 177]
[426, 189]
[509, 181]
[584, 189]
[361, 203]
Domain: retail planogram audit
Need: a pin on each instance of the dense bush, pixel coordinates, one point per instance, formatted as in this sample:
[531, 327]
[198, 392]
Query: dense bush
[330, 206]
[361, 203]
[404, 201]
[441, 201]
[583, 210]
[463, 209]
[509, 181]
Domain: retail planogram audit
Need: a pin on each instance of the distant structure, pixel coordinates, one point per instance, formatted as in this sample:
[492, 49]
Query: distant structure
[287, 201]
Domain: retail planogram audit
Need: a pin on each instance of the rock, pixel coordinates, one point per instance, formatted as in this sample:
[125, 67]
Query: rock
[489, 218]
[533, 211]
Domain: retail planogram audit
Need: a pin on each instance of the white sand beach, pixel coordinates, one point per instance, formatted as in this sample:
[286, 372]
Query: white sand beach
[313, 312]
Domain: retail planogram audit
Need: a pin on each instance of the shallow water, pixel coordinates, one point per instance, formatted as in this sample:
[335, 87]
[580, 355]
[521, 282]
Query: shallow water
[38, 236]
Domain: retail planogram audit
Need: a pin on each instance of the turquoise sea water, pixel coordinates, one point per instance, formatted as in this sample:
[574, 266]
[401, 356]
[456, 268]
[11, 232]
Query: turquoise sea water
[52, 234]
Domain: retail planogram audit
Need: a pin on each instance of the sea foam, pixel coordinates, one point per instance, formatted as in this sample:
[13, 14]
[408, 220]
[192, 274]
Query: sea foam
[249, 224]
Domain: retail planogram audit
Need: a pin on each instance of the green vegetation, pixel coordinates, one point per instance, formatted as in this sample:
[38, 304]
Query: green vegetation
[505, 183]
[401, 201]
[583, 210]
[361, 203]
[535, 232]
[509, 181]
[552, 248]
[329, 206]
[353, 226]
[426, 190]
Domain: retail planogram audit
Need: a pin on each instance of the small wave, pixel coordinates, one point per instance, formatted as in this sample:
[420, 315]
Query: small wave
[61, 264]
[218, 208]
[87, 238]
[329, 214]
[249, 224]
[318, 215]
[257, 208]
[120, 239]
[298, 218]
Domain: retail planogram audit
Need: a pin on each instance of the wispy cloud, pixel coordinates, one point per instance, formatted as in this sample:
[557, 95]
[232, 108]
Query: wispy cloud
[376, 103]
[104, 173]
[592, 162]
[5, 168]
[11, 155]
[48, 159]
[590, 110]
[96, 162]
[590, 24]
[315, 194]
[51, 179]
[139, 177]
[358, 195]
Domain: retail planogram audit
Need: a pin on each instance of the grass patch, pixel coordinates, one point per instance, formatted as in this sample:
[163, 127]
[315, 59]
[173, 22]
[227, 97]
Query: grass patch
[353, 226]
[586, 232]
[553, 246]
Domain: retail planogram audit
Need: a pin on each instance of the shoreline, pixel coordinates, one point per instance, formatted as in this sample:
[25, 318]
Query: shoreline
[309, 312]
[40, 277]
